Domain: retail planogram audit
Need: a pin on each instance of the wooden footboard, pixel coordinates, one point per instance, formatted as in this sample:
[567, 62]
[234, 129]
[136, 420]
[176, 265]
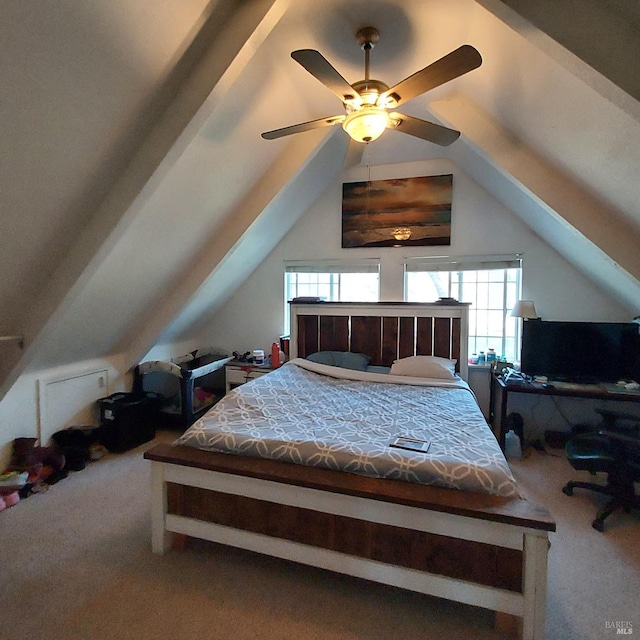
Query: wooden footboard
[474, 548]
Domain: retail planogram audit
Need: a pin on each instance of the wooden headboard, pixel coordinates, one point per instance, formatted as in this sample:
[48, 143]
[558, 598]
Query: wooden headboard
[383, 330]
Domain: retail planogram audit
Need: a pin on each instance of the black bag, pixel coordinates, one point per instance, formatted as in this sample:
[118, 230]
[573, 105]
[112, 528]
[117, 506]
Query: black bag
[127, 420]
[75, 443]
[82, 437]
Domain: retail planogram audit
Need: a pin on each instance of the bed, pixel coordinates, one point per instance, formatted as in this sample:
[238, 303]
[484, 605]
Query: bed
[482, 546]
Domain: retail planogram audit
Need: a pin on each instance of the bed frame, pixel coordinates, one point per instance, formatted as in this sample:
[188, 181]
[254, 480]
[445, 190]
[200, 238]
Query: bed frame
[474, 548]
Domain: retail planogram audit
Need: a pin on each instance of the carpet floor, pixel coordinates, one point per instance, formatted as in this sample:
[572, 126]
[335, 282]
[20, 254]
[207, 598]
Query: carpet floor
[76, 565]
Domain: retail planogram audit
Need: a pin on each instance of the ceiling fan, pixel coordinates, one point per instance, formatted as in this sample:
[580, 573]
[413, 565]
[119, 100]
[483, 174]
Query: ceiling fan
[369, 103]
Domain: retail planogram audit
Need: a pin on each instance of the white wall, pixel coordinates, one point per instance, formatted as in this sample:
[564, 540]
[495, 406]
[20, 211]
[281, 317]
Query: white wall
[20, 408]
[253, 318]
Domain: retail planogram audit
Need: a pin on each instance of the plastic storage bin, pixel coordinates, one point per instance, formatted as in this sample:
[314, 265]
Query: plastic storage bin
[128, 420]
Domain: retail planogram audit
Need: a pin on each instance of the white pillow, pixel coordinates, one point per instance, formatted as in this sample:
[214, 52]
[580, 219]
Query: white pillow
[425, 367]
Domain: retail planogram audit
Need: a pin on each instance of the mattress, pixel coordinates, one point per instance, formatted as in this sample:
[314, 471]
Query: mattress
[318, 415]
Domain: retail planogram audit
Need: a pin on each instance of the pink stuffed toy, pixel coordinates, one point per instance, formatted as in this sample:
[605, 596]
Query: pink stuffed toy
[8, 499]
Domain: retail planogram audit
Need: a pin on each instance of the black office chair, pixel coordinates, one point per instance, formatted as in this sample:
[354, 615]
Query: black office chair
[614, 449]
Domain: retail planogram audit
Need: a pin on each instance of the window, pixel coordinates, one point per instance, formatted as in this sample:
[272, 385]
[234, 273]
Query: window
[334, 282]
[491, 286]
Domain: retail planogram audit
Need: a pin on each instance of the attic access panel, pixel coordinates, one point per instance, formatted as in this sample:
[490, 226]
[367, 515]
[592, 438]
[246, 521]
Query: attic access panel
[402, 212]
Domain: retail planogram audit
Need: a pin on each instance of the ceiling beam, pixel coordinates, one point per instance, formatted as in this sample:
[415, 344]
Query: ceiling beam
[297, 177]
[225, 43]
[588, 232]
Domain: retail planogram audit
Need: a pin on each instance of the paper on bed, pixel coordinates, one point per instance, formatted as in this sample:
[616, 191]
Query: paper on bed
[317, 415]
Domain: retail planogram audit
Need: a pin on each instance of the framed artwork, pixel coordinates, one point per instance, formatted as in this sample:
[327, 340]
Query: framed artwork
[403, 212]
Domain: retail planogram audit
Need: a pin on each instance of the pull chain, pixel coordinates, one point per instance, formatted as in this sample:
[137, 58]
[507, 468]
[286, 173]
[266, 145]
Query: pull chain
[368, 179]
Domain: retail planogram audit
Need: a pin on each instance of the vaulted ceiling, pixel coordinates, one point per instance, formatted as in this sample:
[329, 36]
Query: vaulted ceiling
[136, 192]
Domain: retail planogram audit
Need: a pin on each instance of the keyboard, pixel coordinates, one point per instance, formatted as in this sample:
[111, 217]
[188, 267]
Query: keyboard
[612, 387]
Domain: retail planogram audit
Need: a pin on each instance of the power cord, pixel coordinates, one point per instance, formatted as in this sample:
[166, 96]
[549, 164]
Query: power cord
[540, 447]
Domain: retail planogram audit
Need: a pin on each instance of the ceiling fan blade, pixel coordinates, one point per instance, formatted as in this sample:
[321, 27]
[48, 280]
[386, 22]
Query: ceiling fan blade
[303, 126]
[425, 130]
[453, 65]
[319, 67]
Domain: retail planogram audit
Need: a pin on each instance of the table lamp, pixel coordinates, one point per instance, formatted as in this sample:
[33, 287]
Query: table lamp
[524, 309]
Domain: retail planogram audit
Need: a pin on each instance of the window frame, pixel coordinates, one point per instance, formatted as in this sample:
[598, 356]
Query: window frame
[333, 268]
[454, 268]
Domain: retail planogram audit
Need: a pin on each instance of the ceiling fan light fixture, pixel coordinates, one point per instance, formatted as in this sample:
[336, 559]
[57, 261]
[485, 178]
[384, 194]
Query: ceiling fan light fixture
[370, 104]
[366, 124]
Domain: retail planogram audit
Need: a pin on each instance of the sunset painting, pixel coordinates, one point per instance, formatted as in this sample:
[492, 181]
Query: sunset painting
[397, 213]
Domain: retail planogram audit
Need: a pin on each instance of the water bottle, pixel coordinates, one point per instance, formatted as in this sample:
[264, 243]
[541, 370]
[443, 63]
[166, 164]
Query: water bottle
[512, 446]
[275, 355]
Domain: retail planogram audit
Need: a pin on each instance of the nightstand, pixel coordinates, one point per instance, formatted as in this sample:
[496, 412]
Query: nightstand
[237, 373]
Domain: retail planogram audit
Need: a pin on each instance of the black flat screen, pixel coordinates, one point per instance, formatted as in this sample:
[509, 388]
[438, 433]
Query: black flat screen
[581, 351]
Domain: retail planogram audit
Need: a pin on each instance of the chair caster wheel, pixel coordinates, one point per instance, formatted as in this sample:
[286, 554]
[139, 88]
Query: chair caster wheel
[567, 490]
[598, 525]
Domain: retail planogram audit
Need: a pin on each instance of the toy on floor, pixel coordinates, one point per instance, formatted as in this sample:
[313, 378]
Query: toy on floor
[11, 498]
[8, 497]
[40, 465]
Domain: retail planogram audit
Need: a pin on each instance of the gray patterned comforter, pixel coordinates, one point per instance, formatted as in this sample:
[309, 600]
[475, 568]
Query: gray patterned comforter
[317, 415]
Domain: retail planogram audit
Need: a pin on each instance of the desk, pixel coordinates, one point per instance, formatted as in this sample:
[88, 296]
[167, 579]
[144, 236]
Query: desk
[500, 390]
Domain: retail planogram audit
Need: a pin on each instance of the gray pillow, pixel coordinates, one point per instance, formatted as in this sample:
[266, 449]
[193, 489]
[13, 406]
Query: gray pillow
[343, 359]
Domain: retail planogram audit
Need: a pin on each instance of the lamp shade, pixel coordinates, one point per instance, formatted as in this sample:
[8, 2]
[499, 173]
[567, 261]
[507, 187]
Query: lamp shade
[524, 309]
[366, 124]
